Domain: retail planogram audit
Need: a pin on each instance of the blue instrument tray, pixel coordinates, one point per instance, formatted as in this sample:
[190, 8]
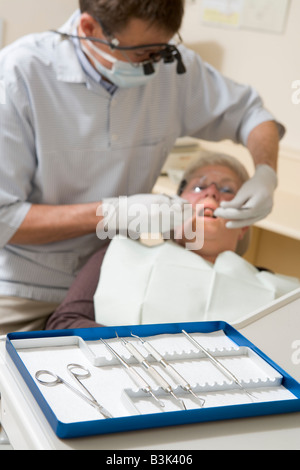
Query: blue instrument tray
[17, 343]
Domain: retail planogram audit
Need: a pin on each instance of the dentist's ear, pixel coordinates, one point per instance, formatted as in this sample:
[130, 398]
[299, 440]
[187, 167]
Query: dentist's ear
[89, 25]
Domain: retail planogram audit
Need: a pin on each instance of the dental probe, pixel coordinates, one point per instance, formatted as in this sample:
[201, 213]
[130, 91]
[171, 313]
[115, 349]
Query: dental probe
[169, 368]
[153, 372]
[218, 364]
[138, 379]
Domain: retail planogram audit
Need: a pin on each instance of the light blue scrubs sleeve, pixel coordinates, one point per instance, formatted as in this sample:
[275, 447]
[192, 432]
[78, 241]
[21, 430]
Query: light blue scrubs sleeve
[256, 114]
[17, 161]
[228, 110]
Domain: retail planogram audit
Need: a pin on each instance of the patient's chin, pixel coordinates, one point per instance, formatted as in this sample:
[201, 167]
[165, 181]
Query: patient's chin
[191, 241]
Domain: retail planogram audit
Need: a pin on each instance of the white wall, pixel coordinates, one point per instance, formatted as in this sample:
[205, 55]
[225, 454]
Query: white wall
[270, 62]
[27, 16]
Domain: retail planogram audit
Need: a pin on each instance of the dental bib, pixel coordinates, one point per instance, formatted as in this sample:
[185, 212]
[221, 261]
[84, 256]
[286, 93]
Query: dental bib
[168, 284]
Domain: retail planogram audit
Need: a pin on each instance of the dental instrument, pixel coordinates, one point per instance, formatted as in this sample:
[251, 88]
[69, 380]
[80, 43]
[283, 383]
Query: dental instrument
[219, 365]
[151, 371]
[137, 378]
[56, 380]
[169, 368]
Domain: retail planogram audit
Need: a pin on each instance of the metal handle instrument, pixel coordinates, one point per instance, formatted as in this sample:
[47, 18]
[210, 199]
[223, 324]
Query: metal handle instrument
[169, 368]
[137, 378]
[218, 364]
[150, 369]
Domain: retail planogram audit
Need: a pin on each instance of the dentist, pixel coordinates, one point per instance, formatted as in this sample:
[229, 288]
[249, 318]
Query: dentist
[91, 114]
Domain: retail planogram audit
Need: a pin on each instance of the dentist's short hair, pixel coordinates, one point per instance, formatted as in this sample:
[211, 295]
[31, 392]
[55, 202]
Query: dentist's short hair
[115, 14]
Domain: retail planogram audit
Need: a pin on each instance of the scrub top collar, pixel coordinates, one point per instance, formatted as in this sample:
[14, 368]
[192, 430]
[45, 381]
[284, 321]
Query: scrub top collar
[90, 71]
[72, 64]
[68, 67]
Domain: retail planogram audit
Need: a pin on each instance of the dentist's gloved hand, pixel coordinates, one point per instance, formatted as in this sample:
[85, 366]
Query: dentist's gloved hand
[253, 202]
[142, 213]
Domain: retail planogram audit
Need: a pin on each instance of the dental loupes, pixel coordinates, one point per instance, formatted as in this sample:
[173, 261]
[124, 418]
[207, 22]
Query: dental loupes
[170, 369]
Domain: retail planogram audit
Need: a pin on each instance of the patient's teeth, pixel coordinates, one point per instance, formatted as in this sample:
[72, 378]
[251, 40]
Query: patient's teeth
[208, 212]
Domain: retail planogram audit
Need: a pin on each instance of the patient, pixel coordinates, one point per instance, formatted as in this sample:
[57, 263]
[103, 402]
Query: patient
[168, 283]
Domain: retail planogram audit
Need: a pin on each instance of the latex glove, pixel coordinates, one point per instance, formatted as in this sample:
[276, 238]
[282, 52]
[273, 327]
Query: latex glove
[141, 213]
[253, 202]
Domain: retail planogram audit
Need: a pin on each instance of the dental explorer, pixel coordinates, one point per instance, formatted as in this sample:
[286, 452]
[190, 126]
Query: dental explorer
[169, 368]
[137, 378]
[153, 372]
[218, 364]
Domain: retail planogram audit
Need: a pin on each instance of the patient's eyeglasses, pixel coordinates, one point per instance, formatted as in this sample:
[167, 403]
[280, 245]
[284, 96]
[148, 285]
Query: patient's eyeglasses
[226, 187]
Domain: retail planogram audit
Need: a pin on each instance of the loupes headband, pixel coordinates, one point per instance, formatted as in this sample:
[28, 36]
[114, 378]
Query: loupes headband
[169, 53]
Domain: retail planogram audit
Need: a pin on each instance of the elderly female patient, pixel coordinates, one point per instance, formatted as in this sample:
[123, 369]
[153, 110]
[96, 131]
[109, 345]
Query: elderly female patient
[128, 283]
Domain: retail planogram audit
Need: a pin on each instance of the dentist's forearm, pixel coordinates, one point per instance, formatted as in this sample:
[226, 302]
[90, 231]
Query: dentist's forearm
[49, 224]
[263, 144]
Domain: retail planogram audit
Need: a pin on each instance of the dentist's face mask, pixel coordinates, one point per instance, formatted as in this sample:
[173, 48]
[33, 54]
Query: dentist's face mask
[122, 74]
[127, 74]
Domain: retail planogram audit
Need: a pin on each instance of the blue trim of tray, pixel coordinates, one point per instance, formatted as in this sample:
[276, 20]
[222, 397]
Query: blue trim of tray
[157, 420]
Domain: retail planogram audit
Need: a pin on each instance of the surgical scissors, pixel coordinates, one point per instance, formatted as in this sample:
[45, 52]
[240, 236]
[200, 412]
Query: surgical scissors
[54, 380]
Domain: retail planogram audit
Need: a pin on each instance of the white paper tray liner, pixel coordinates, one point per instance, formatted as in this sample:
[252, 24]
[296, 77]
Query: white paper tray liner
[140, 404]
[169, 346]
[107, 383]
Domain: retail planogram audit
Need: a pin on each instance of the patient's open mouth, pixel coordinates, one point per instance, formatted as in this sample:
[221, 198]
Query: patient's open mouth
[207, 212]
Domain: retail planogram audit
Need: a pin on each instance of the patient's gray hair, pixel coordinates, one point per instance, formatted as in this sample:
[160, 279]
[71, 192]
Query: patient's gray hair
[209, 159]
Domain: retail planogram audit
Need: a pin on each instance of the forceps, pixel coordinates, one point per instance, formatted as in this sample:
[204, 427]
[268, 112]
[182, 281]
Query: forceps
[73, 369]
